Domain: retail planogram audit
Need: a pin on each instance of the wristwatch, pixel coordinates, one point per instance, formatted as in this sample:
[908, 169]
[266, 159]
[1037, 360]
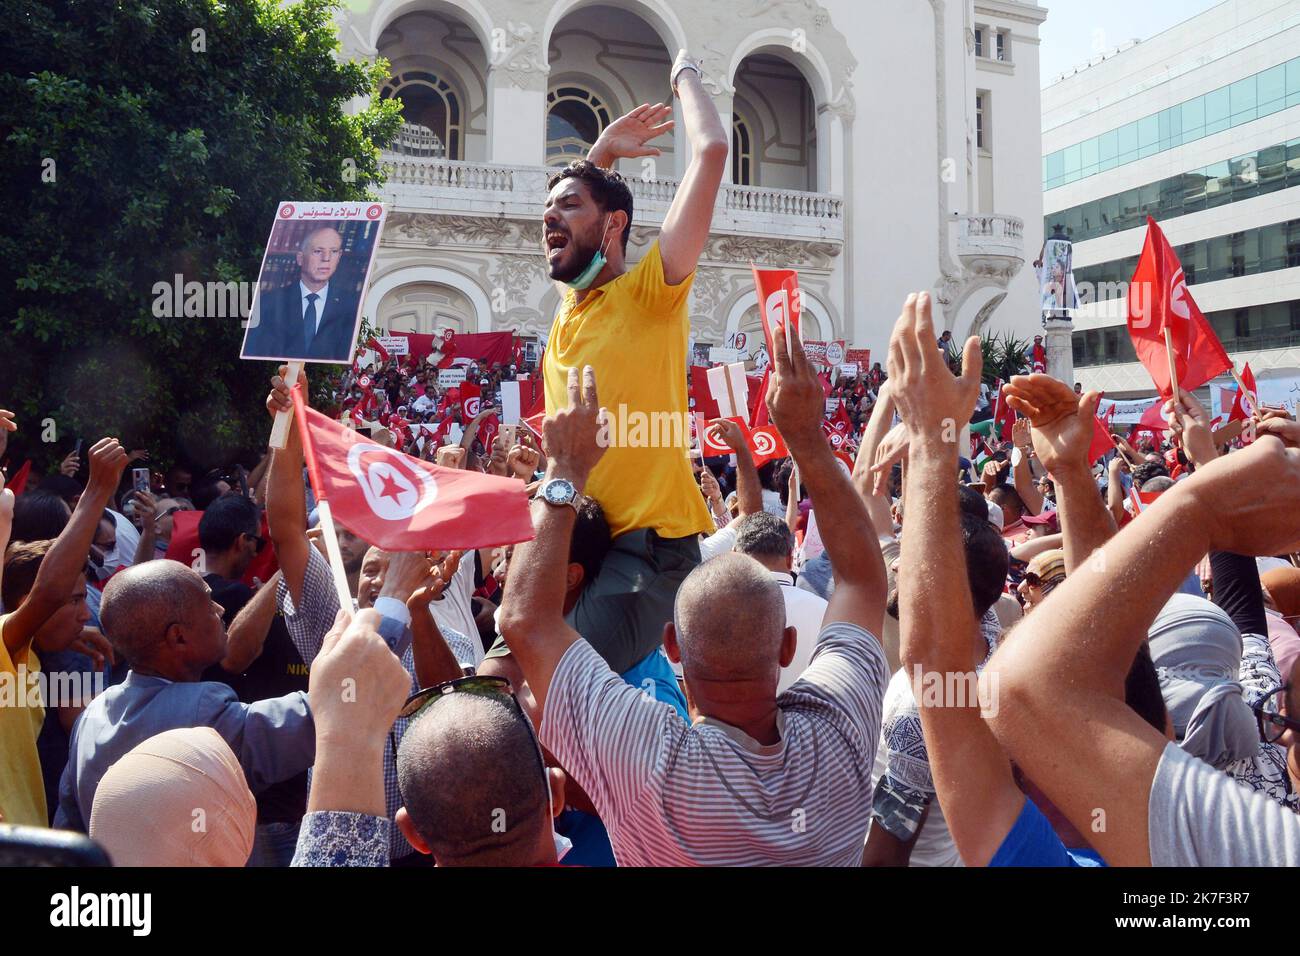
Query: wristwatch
[559, 492]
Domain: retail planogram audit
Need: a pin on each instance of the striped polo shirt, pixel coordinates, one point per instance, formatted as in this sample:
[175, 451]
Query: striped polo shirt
[676, 794]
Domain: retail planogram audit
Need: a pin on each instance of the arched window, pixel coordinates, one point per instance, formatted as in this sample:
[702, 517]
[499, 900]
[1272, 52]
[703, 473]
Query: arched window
[742, 152]
[431, 115]
[575, 118]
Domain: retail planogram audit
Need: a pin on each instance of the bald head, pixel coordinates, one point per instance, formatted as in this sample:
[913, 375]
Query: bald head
[141, 602]
[730, 618]
[471, 781]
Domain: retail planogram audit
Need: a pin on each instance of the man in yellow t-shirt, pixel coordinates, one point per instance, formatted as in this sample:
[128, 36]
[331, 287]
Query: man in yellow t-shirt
[631, 326]
[44, 592]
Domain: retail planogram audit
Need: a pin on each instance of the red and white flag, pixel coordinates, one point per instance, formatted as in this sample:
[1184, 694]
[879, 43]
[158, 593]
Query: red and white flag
[1158, 299]
[400, 503]
[779, 303]
[1247, 400]
[766, 444]
[471, 400]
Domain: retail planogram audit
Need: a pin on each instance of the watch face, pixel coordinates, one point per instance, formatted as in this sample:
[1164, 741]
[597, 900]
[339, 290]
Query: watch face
[558, 491]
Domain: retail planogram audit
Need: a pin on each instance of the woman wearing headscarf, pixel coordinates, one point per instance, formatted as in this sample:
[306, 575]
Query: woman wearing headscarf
[177, 799]
[1214, 663]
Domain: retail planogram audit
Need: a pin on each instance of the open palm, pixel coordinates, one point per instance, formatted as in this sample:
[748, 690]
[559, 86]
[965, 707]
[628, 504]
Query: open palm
[1062, 422]
[628, 135]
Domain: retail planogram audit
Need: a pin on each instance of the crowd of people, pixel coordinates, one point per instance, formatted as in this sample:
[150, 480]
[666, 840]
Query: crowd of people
[885, 650]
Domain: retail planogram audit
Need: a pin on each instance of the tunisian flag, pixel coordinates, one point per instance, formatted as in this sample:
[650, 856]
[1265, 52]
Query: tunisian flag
[400, 503]
[1158, 299]
[1247, 400]
[779, 302]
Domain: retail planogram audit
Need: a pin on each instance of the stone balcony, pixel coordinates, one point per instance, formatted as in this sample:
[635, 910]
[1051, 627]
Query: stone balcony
[432, 185]
[991, 245]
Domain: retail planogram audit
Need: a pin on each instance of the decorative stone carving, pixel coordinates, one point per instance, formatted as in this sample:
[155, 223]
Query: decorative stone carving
[522, 58]
[708, 290]
[513, 275]
[743, 249]
[436, 230]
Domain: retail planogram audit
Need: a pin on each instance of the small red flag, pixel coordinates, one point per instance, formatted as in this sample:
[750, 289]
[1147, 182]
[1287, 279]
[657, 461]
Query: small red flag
[1247, 400]
[373, 343]
[471, 400]
[702, 400]
[18, 483]
[766, 444]
[1158, 298]
[400, 503]
[1101, 440]
[778, 302]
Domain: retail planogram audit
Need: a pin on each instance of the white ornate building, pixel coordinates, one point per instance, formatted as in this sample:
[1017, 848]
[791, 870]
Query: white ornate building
[878, 147]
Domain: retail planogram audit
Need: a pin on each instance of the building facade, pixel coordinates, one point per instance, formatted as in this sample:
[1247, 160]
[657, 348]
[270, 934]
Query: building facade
[1199, 128]
[877, 148]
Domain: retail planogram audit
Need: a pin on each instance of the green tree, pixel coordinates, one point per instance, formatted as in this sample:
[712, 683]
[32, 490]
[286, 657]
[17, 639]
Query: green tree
[141, 140]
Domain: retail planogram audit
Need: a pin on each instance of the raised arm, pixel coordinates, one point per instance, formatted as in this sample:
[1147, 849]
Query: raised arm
[795, 401]
[434, 661]
[1062, 428]
[1021, 473]
[1065, 670]
[67, 556]
[686, 227]
[246, 635]
[971, 774]
[882, 414]
[749, 490]
[1115, 488]
[286, 505]
[532, 607]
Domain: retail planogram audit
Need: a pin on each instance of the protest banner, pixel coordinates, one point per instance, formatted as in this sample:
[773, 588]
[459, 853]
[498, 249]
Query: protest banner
[394, 344]
[451, 377]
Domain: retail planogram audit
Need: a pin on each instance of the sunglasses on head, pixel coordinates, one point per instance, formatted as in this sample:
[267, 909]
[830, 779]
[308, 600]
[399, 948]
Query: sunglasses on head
[497, 688]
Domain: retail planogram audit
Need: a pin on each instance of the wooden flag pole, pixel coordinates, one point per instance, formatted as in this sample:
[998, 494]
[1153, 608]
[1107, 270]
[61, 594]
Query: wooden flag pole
[280, 430]
[332, 551]
[322, 506]
[1236, 377]
[1173, 368]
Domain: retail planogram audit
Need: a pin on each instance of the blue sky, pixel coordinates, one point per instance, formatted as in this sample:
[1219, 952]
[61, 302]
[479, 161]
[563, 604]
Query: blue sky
[1077, 30]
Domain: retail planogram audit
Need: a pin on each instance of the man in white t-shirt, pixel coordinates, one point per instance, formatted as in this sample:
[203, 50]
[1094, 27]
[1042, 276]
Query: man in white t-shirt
[753, 779]
[767, 539]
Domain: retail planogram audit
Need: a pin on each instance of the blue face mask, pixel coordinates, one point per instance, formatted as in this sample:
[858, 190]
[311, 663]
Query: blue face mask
[588, 275]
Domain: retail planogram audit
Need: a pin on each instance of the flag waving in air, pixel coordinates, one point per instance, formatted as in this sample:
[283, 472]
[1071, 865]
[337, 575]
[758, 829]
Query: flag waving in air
[400, 503]
[1247, 400]
[1158, 299]
[779, 303]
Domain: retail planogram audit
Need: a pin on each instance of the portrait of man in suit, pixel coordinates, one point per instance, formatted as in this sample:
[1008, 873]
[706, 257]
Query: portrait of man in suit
[312, 318]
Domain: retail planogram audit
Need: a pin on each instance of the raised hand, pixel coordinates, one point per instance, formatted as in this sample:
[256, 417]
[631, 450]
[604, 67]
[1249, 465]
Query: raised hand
[107, 460]
[7, 425]
[571, 433]
[70, 465]
[729, 433]
[146, 507]
[278, 400]
[1191, 426]
[1251, 498]
[628, 135]
[932, 401]
[795, 400]
[440, 575]
[892, 449]
[991, 474]
[709, 486]
[450, 456]
[408, 571]
[522, 462]
[357, 685]
[1062, 421]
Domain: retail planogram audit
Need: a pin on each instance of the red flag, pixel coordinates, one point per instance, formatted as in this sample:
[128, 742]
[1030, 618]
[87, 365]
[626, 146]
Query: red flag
[534, 423]
[400, 503]
[1158, 298]
[1152, 419]
[758, 398]
[1247, 400]
[766, 445]
[710, 448]
[701, 398]
[1101, 440]
[837, 440]
[18, 483]
[1004, 416]
[841, 421]
[373, 343]
[487, 433]
[778, 300]
[471, 400]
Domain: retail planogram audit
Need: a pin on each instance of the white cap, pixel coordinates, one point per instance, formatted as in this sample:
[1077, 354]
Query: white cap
[995, 516]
